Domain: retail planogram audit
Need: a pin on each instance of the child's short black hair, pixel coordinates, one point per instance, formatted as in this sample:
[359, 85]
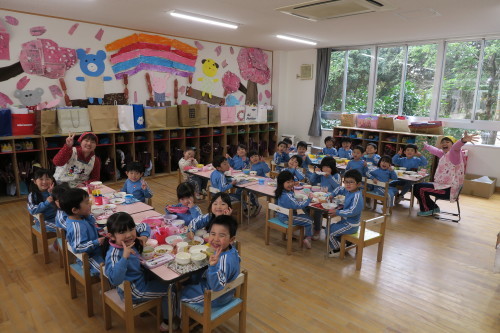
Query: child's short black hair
[353, 174]
[218, 160]
[227, 221]
[374, 145]
[135, 166]
[412, 146]
[346, 139]
[72, 198]
[288, 141]
[329, 138]
[282, 143]
[253, 153]
[384, 158]
[298, 158]
[329, 162]
[242, 146]
[185, 190]
[360, 148]
[302, 144]
[59, 190]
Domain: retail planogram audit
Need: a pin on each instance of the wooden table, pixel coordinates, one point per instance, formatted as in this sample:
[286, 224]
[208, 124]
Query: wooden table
[413, 181]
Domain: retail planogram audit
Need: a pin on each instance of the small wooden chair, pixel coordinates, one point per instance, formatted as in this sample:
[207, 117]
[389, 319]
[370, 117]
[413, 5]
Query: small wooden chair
[365, 237]
[63, 248]
[149, 201]
[125, 308]
[273, 165]
[40, 232]
[81, 273]
[210, 317]
[179, 175]
[383, 199]
[237, 209]
[286, 228]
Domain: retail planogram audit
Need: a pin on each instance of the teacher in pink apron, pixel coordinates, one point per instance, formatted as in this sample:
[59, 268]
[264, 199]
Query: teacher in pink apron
[449, 176]
[77, 165]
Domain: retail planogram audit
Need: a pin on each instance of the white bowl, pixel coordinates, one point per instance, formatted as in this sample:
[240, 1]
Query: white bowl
[300, 196]
[194, 170]
[200, 232]
[178, 223]
[198, 258]
[197, 249]
[148, 252]
[162, 249]
[97, 212]
[183, 258]
[170, 217]
[329, 205]
[172, 239]
[152, 242]
[120, 194]
[197, 240]
[96, 184]
[402, 169]
[182, 247]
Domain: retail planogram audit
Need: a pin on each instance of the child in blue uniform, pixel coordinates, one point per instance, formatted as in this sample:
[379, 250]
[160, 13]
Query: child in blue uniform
[219, 180]
[281, 155]
[357, 162]
[294, 168]
[351, 212]
[257, 163]
[40, 200]
[286, 199]
[371, 154]
[57, 194]
[331, 179]
[289, 146]
[220, 205]
[345, 151]
[224, 264]
[134, 184]
[329, 149]
[413, 160]
[384, 173]
[185, 195]
[81, 231]
[240, 161]
[302, 152]
[123, 250]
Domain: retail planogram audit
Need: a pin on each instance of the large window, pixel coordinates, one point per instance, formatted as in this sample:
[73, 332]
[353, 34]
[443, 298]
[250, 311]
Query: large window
[455, 81]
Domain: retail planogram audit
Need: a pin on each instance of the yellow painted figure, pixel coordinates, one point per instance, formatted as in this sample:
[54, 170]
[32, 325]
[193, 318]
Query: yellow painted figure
[210, 68]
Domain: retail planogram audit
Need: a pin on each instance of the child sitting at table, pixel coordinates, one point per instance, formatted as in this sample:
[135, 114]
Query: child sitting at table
[357, 162]
[371, 155]
[57, 194]
[185, 210]
[294, 168]
[345, 151]
[281, 155]
[413, 160]
[302, 152]
[135, 184]
[240, 161]
[286, 198]
[81, 230]
[329, 149]
[40, 200]
[123, 250]
[219, 180]
[290, 148]
[224, 264]
[199, 183]
[351, 212]
[220, 205]
[384, 173]
[257, 163]
[331, 178]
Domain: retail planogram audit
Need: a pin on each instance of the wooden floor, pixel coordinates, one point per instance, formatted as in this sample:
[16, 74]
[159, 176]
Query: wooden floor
[435, 277]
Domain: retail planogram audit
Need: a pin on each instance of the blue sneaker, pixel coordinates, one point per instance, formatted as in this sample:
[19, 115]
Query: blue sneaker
[437, 210]
[427, 213]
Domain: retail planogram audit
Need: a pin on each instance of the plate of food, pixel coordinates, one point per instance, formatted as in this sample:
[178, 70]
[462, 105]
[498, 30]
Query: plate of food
[194, 170]
[117, 201]
[109, 206]
[300, 196]
[327, 205]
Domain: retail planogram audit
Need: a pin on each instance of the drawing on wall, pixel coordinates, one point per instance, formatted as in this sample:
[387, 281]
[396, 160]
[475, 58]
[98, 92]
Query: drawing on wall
[92, 65]
[153, 53]
[38, 31]
[5, 100]
[71, 30]
[4, 43]
[209, 68]
[253, 67]
[11, 20]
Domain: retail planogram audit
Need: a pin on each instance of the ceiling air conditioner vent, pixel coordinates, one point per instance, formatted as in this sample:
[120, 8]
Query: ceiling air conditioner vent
[326, 9]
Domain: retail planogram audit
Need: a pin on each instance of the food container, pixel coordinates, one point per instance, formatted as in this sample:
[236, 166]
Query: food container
[196, 241]
[198, 259]
[197, 249]
[148, 252]
[172, 240]
[162, 249]
[178, 223]
[183, 258]
[151, 242]
[182, 247]
[97, 212]
[246, 171]
[170, 217]
[96, 184]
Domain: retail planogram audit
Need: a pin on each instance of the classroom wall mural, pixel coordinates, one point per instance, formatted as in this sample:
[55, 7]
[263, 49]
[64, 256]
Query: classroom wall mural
[50, 61]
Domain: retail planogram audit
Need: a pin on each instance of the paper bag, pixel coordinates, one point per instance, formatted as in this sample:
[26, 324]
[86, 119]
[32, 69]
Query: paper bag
[347, 119]
[251, 113]
[156, 117]
[5, 122]
[70, 120]
[386, 122]
[139, 118]
[172, 116]
[103, 118]
[214, 116]
[227, 114]
[240, 113]
[46, 121]
[203, 114]
[126, 120]
[190, 114]
[366, 121]
[401, 125]
[262, 113]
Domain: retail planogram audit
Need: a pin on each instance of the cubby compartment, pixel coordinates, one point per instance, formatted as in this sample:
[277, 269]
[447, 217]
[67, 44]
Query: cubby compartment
[124, 138]
[161, 135]
[206, 150]
[192, 132]
[161, 157]
[8, 183]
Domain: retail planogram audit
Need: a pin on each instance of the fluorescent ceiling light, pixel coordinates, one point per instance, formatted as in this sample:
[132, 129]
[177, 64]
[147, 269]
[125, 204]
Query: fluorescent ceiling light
[295, 39]
[203, 19]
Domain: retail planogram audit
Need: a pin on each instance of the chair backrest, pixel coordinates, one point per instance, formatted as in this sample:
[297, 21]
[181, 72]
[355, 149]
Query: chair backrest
[77, 255]
[242, 278]
[379, 220]
[279, 209]
[369, 181]
[125, 286]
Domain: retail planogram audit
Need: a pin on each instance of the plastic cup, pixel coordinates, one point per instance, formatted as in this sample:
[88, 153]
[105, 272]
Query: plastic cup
[129, 198]
[262, 181]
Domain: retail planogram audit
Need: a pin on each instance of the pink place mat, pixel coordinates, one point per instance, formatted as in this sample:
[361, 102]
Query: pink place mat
[262, 189]
[165, 273]
[134, 208]
[203, 174]
[105, 190]
[138, 217]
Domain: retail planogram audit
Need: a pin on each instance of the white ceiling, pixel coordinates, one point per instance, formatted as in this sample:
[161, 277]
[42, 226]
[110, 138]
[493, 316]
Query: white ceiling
[260, 22]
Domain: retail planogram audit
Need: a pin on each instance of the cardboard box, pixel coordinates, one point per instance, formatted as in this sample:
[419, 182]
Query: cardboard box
[203, 115]
[172, 116]
[190, 114]
[214, 116]
[478, 189]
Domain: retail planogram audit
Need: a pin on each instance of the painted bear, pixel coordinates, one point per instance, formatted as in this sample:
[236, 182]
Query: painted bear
[92, 65]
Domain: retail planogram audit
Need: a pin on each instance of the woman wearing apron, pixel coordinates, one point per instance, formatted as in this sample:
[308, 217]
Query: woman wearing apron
[77, 165]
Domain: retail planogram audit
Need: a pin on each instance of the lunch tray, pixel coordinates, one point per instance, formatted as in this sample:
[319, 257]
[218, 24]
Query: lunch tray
[183, 269]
